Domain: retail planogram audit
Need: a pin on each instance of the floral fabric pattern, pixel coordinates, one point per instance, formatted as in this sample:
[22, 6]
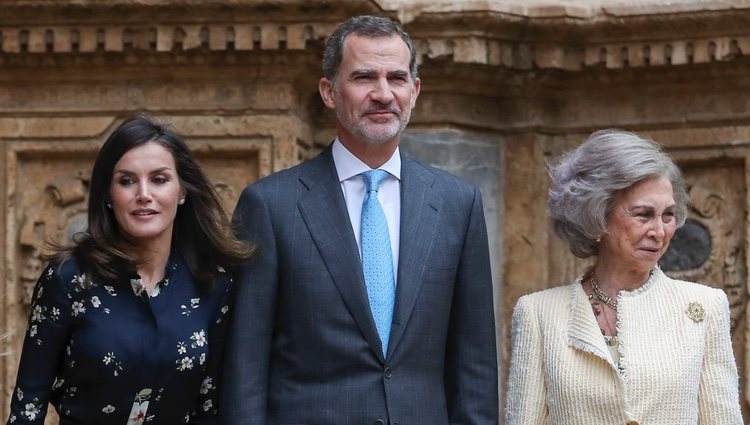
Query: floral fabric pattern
[113, 354]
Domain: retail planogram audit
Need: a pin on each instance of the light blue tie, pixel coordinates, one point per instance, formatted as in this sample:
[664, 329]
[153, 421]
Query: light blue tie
[377, 261]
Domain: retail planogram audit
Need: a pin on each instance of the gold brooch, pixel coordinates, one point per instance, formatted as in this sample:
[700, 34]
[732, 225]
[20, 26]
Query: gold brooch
[696, 311]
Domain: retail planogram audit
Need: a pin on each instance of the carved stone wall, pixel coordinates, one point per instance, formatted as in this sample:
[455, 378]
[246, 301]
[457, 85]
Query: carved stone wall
[507, 86]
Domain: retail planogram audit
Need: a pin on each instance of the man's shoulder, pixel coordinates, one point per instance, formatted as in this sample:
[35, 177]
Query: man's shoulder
[291, 175]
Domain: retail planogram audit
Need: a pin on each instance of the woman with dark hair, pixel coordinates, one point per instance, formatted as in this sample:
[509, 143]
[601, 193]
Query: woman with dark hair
[128, 323]
[623, 343]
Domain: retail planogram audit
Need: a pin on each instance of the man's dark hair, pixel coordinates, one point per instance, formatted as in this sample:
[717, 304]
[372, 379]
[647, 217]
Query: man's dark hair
[367, 26]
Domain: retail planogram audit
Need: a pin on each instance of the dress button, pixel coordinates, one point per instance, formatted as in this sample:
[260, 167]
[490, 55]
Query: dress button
[387, 373]
[379, 422]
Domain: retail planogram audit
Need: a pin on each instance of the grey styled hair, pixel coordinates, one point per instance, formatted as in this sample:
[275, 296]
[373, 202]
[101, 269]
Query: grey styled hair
[586, 180]
[366, 26]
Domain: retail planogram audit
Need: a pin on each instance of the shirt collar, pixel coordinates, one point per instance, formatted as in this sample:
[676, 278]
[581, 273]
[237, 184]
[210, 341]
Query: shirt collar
[348, 165]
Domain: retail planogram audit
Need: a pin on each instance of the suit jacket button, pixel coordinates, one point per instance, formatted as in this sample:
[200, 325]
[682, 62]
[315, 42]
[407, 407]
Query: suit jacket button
[387, 373]
[379, 422]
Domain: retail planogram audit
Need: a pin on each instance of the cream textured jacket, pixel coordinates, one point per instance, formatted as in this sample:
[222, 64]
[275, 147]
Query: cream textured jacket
[677, 365]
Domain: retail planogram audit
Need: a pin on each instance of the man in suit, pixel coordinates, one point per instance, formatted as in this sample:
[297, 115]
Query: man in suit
[367, 303]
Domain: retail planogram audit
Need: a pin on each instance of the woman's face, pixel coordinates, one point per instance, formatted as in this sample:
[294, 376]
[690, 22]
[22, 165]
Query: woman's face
[640, 225]
[144, 194]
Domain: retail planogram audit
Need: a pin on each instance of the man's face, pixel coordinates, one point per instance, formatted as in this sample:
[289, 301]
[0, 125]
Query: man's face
[373, 92]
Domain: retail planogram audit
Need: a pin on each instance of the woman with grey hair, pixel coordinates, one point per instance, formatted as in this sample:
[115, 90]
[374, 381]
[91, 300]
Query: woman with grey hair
[623, 343]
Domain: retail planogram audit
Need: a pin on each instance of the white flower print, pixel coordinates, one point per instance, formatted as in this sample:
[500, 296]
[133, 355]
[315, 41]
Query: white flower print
[79, 279]
[55, 313]
[95, 301]
[207, 405]
[110, 358]
[185, 363]
[78, 308]
[37, 315]
[12, 418]
[194, 302]
[32, 330]
[202, 358]
[41, 291]
[181, 348]
[59, 383]
[206, 385]
[110, 290]
[108, 409]
[31, 411]
[199, 339]
[19, 394]
[224, 309]
[50, 271]
[220, 269]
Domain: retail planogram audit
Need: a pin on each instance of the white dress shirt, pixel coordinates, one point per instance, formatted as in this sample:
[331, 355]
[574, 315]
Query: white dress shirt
[348, 168]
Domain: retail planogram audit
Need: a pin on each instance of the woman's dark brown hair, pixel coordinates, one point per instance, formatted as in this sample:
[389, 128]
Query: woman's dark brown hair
[202, 233]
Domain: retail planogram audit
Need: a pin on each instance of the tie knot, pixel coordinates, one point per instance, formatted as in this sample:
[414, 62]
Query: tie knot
[373, 178]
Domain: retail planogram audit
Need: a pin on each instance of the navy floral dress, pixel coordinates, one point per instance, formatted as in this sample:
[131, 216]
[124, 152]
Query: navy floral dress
[112, 354]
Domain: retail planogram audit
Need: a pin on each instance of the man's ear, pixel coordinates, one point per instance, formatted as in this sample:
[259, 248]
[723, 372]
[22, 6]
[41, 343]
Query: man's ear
[325, 87]
[415, 91]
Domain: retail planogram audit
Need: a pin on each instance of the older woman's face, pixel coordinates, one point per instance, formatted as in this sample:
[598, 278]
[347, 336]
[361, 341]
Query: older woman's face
[640, 225]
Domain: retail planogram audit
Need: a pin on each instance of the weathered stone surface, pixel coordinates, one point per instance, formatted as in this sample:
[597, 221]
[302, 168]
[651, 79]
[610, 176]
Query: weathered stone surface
[507, 86]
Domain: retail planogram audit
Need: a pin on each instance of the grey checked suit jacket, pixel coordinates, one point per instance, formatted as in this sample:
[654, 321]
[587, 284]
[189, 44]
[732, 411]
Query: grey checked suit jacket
[303, 347]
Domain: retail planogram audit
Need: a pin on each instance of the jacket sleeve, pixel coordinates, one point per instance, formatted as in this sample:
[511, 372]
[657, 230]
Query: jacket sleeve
[718, 398]
[526, 393]
[471, 360]
[43, 348]
[244, 387]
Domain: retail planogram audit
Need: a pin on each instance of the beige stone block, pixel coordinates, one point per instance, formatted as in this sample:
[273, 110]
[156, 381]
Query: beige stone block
[296, 36]
[11, 42]
[164, 38]
[269, 37]
[657, 54]
[438, 48]
[723, 48]
[217, 37]
[593, 55]
[243, 37]
[37, 43]
[701, 51]
[61, 39]
[743, 43]
[113, 39]
[679, 53]
[192, 37]
[87, 39]
[470, 50]
[635, 55]
[549, 56]
[614, 57]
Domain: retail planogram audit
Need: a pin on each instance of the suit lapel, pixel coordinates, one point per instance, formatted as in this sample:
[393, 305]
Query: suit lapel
[583, 332]
[420, 205]
[324, 211]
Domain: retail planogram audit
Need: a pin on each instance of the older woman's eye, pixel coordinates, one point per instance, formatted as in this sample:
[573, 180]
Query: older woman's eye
[667, 217]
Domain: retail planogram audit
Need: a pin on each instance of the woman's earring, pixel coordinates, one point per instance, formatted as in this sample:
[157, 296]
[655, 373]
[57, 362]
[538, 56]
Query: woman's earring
[181, 201]
[109, 205]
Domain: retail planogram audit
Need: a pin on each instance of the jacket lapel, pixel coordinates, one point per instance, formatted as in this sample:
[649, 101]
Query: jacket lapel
[420, 205]
[324, 211]
[583, 332]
